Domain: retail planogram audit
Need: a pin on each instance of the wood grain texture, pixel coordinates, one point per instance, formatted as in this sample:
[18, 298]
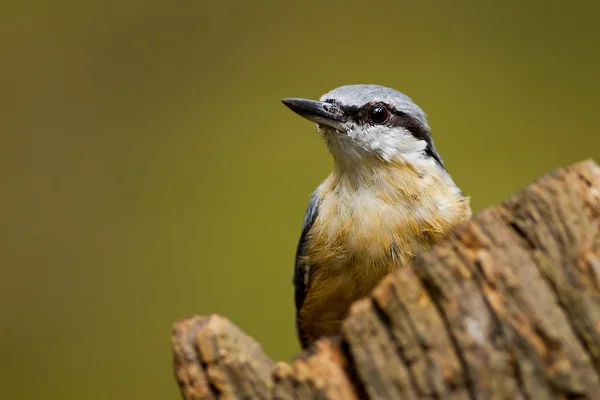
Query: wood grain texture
[214, 359]
[508, 307]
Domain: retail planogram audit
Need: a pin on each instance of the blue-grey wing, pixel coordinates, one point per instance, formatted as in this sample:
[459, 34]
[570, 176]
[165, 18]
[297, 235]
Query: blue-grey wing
[301, 270]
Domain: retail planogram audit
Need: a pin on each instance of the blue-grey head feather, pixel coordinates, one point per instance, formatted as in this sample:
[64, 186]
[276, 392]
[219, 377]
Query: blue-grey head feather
[360, 95]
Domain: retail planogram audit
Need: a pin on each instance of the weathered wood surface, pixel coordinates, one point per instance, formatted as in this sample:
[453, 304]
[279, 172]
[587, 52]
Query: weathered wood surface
[507, 308]
[214, 359]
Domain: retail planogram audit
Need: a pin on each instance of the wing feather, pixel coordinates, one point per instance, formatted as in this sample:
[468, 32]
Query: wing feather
[302, 270]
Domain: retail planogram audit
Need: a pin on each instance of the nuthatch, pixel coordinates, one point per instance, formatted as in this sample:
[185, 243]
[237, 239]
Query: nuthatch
[388, 198]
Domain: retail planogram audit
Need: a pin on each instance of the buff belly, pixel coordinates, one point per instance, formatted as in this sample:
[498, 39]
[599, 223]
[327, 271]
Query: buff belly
[360, 236]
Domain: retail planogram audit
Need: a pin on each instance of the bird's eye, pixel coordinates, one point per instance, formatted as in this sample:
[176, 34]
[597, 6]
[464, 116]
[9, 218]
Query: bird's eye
[379, 114]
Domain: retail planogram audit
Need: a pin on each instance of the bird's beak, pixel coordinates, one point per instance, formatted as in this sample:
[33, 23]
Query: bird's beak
[317, 111]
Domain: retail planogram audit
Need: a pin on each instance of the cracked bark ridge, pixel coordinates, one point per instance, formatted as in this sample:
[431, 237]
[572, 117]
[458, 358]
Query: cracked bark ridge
[214, 359]
[507, 308]
[322, 372]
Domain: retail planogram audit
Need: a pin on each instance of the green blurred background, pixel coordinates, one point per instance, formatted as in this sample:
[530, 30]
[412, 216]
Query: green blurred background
[149, 171]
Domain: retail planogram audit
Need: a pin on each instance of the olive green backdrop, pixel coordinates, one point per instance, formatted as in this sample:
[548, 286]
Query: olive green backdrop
[149, 171]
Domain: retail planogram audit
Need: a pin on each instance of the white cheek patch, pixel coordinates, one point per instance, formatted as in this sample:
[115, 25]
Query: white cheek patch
[387, 143]
[352, 130]
[390, 143]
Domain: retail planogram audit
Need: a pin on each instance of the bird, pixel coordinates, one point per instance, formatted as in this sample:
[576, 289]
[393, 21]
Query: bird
[388, 198]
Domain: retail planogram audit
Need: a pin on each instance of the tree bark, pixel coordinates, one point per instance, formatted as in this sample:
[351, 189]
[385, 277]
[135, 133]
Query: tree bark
[508, 307]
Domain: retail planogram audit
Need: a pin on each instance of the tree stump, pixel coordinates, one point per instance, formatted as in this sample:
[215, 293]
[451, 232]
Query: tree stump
[507, 307]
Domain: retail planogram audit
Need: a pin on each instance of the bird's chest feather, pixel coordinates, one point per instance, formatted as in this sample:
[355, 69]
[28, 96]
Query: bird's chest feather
[364, 230]
[369, 230]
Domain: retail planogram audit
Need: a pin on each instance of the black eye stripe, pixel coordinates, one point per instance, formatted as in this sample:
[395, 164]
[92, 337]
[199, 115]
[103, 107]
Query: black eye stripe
[360, 114]
[350, 111]
[397, 119]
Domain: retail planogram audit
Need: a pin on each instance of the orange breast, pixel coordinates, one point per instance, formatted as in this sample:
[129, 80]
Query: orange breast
[363, 232]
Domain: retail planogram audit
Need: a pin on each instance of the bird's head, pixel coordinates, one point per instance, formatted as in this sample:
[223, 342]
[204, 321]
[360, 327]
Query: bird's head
[370, 122]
